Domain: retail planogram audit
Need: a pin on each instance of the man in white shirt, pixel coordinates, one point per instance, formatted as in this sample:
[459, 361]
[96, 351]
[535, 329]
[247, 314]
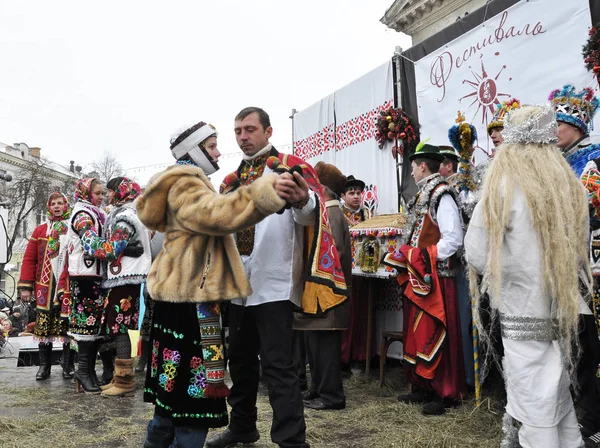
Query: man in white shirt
[261, 324]
[432, 336]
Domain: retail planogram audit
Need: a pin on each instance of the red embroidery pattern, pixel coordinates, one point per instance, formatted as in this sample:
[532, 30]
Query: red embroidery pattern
[352, 132]
[315, 144]
[360, 128]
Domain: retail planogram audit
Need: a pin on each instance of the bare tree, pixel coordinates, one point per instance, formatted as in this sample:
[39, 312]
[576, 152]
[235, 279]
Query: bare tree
[108, 167]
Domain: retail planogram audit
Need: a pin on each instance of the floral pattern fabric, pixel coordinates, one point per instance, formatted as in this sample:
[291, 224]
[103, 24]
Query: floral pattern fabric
[86, 307]
[176, 378]
[110, 248]
[121, 311]
[57, 226]
[126, 192]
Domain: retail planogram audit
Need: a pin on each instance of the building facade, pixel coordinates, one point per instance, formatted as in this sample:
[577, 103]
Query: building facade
[421, 19]
[23, 202]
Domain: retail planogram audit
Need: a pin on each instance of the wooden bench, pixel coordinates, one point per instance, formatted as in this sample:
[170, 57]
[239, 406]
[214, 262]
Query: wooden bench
[387, 338]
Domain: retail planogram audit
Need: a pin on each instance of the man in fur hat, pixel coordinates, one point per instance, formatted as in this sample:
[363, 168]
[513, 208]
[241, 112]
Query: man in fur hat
[433, 359]
[323, 333]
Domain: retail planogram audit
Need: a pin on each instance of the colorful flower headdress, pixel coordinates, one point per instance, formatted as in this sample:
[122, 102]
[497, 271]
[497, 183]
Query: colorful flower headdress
[462, 136]
[576, 108]
[501, 110]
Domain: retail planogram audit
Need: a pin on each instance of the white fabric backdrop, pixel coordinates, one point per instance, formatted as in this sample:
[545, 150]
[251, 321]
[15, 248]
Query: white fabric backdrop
[525, 52]
[356, 152]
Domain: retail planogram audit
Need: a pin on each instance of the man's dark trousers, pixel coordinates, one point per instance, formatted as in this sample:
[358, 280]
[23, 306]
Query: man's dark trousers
[265, 329]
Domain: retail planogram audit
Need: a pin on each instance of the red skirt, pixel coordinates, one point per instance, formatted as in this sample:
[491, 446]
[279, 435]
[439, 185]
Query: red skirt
[354, 339]
[449, 376]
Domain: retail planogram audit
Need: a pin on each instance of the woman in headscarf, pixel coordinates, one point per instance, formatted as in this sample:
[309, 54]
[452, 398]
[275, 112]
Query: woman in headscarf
[124, 274]
[198, 267]
[85, 278]
[39, 274]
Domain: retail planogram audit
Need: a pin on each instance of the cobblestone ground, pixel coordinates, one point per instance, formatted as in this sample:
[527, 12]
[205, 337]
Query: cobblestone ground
[50, 414]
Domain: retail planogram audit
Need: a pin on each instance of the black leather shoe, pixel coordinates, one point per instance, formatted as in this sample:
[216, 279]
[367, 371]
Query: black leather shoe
[308, 395]
[436, 407]
[228, 438]
[319, 405]
[416, 396]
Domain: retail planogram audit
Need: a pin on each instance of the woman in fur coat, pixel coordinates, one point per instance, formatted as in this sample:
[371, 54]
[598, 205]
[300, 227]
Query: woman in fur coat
[198, 267]
[123, 232]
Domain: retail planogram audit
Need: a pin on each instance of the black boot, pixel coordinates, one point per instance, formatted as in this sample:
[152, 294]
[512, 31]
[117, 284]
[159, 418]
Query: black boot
[108, 366]
[67, 362]
[92, 365]
[83, 378]
[45, 351]
[143, 359]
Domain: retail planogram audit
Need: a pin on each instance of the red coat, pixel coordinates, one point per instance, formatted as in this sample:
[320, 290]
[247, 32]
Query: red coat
[37, 274]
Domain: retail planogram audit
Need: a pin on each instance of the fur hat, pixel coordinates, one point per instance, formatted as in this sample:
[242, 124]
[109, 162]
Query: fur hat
[575, 108]
[501, 110]
[331, 177]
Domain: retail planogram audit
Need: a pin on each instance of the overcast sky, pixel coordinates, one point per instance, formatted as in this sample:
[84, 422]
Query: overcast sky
[79, 78]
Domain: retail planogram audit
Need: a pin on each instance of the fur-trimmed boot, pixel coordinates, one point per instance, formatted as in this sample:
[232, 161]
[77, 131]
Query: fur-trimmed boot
[68, 362]
[45, 351]
[123, 384]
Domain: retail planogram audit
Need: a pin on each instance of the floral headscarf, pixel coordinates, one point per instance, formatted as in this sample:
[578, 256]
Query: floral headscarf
[83, 193]
[83, 189]
[57, 225]
[126, 192]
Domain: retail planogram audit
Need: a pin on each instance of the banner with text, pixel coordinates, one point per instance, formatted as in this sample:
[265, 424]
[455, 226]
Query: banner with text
[524, 52]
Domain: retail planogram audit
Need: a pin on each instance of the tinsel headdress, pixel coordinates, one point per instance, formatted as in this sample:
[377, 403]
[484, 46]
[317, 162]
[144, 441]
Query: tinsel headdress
[576, 108]
[539, 128]
[501, 110]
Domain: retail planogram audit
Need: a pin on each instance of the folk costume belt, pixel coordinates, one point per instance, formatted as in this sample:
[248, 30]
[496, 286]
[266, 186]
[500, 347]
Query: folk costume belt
[520, 328]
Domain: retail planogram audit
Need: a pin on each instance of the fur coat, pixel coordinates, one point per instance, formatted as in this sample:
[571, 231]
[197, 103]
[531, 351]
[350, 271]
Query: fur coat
[199, 261]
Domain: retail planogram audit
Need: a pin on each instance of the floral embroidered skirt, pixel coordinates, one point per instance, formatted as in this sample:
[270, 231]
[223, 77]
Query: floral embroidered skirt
[176, 374]
[121, 310]
[49, 326]
[86, 308]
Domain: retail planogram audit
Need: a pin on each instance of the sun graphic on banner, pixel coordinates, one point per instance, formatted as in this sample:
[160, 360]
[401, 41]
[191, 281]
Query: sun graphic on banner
[485, 93]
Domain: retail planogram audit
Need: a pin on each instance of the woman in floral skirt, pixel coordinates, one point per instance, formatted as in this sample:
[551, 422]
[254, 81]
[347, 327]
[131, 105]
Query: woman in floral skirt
[198, 267]
[124, 236]
[84, 277]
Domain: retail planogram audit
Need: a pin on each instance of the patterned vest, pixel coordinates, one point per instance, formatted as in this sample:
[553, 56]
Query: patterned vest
[422, 229]
[249, 171]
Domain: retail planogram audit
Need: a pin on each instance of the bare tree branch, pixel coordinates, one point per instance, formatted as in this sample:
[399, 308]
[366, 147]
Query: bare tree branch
[108, 167]
[29, 193]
